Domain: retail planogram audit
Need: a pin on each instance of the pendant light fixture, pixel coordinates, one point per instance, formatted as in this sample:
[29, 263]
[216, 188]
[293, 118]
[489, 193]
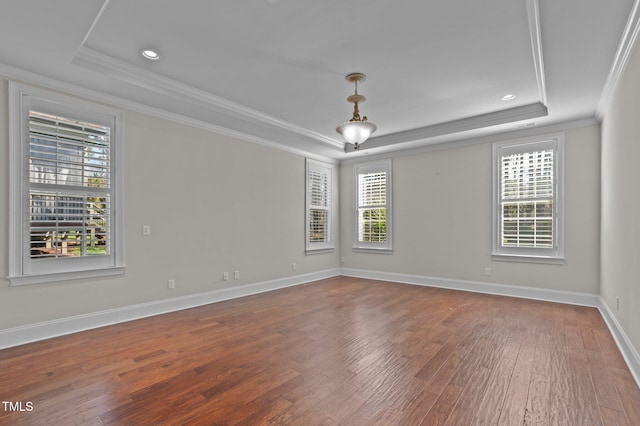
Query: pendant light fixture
[357, 130]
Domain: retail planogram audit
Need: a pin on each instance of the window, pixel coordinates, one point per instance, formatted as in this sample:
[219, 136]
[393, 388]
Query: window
[373, 206]
[65, 188]
[319, 204]
[528, 199]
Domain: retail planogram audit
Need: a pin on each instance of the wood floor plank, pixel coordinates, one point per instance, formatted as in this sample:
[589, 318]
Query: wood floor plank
[489, 406]
[605, 388]
[443, 407]
[416, 411]
[629, 395]
[342, 351]
[537, 410]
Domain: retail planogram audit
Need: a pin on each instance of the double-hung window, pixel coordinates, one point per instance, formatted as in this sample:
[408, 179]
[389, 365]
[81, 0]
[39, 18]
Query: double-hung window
[66, 188]
[319, 217]
[528, 210]
[373, 207]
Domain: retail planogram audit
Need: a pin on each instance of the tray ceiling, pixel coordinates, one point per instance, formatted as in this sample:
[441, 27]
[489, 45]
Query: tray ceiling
[273, 71]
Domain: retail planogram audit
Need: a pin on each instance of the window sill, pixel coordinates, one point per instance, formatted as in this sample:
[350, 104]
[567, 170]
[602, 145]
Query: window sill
[64, 276]
[528, 259]
[372, 250]
[319, 251]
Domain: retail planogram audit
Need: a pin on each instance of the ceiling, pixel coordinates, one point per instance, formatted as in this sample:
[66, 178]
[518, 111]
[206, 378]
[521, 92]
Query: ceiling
[272, 71]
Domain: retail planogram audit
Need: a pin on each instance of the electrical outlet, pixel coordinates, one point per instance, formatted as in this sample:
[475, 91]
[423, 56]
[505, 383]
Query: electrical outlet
[487, 272]
[294, 266]
[236, 275]
[171, 284]
[146, 230]
[225, 276]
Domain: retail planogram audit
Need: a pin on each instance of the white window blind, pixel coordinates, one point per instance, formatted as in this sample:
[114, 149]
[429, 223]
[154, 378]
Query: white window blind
[527, 199]
[319, 204]
[69, 187]
[66, 217]
[373, 206]
[528, 210]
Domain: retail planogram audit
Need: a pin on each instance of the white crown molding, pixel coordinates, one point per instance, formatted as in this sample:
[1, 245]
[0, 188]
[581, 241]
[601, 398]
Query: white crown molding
[12, 73]
[536, 48]
[493, 137]
[148, 80]
[105, 3]
[141, 77]
[44, 330]
[625, 49]
[511, 115]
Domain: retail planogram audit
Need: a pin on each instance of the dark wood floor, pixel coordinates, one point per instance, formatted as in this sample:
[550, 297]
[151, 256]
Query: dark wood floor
[340, 351]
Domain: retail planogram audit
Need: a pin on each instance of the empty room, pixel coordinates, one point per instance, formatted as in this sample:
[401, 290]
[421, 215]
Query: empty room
[278, 212]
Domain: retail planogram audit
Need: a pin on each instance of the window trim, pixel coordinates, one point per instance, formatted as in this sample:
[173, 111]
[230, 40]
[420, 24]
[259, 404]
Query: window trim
[554, 255]
[21, 96]
[329, 245]
[383, 247]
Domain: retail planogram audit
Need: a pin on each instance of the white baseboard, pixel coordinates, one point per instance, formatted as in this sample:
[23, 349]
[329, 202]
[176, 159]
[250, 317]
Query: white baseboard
[45, 330]
[629, 353]
[572, 298]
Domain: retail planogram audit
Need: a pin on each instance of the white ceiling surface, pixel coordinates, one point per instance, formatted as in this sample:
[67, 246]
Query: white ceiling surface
[273, 70]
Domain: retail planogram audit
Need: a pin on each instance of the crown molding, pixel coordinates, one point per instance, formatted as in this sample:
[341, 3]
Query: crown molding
[105, 3]
[625, 49]
[536, 48]
[524, 112]
[16, 74]
[140, 77]
[490, 138]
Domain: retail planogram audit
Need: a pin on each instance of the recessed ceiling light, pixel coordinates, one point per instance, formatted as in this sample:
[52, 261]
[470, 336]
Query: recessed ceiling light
[508, 97]
[150, 54]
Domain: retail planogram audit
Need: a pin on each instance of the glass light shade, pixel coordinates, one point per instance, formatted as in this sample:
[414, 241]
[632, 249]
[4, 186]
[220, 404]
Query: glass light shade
[356, 131]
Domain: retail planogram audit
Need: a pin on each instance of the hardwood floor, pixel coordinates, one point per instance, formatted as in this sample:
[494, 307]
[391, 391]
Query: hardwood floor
[341, 351]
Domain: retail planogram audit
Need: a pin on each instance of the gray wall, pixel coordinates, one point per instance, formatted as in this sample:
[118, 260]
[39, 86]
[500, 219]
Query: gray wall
[214, 204]
[442, 218]
[220, 204]
[620, 250]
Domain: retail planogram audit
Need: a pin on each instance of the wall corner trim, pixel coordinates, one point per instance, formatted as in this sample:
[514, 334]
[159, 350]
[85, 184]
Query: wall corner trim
[626, 46]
